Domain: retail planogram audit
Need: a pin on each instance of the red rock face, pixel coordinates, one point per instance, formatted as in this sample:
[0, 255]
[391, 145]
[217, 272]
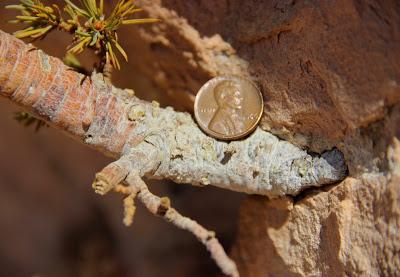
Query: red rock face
[325, 68]
[347, 230]
[329, 72]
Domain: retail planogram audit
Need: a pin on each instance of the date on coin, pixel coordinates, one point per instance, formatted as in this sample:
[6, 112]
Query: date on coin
[228, 107]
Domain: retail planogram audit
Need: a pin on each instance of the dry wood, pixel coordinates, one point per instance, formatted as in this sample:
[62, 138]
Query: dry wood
[156, 142]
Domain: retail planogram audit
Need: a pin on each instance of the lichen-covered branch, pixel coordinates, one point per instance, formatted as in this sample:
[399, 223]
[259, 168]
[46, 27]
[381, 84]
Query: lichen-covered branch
[155, 142]
[117, 123]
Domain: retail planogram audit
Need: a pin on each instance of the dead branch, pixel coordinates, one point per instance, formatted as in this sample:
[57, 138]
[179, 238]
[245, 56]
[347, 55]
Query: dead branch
[155, 142]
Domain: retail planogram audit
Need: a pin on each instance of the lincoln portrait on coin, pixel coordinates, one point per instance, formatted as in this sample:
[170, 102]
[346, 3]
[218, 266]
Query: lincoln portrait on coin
[227, 119]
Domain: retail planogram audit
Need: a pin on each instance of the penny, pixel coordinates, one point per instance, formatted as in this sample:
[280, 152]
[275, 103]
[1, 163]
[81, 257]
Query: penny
[228, 107]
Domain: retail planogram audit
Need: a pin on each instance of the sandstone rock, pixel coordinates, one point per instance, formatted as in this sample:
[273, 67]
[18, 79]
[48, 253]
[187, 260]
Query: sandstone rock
[348, 229]
[351, 229]
[329, 72]
[325, 68]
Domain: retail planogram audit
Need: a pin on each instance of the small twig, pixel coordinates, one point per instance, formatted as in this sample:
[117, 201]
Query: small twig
[156, 142]
[161, 207]
[107, 69]
[111, 177]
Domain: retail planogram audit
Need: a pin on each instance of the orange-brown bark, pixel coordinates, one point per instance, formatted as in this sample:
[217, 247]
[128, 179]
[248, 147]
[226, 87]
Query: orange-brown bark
[156, 142]
[52, 91]
[160, 142]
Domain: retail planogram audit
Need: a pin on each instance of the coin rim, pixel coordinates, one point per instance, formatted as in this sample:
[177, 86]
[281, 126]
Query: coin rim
[218, 135]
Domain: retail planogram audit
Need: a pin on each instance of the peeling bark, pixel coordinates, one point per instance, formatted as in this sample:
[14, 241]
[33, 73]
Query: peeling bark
[156, 142]
[173, 147]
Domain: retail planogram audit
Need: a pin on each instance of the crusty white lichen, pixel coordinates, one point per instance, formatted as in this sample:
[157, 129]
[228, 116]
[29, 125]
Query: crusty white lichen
[156, 142]
[173, 147]
[167, 144]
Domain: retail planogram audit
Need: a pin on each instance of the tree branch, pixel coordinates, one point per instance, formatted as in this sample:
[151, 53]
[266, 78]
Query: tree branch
[155, 142]
[118, 123]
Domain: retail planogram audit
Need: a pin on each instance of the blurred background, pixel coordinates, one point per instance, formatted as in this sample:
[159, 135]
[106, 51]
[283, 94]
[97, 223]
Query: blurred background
[52, 223]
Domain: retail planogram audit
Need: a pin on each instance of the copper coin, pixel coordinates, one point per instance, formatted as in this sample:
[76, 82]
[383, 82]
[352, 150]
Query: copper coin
[228, 107]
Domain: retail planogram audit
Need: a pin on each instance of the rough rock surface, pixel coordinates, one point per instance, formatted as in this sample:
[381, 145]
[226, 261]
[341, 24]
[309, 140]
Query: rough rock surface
[349, 229]
[329, 72]
[311, 60]
[346, 230]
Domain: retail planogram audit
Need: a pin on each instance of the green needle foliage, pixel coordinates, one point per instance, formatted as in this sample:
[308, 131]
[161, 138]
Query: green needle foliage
[89, 25]
[40, 19]
[28, 120]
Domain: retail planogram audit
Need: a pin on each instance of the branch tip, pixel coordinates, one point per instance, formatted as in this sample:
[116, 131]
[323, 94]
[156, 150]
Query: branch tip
[129, 209]
[108, 178]
[161, 206]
